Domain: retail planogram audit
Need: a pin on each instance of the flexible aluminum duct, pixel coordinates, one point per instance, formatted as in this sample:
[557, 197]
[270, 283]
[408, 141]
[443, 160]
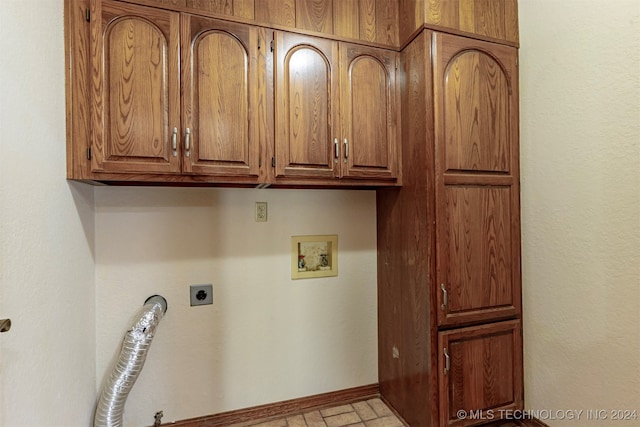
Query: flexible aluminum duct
[136, 343]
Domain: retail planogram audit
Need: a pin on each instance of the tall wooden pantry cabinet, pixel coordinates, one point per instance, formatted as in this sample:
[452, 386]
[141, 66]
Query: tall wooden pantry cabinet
[449, 286]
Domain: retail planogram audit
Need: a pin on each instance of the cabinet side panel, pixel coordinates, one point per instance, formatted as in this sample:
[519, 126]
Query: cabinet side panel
[77, 88]
[405, 255]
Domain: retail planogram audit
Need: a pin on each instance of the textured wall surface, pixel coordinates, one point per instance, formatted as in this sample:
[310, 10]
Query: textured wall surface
[266, 338]
[47, 360]
[580, 138]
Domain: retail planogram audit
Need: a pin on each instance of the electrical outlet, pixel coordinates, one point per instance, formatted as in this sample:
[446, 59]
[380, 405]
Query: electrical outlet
[201, 294]
[261, 211]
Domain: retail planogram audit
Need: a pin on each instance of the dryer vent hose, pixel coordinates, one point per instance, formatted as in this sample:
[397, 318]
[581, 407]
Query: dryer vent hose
[137, 340]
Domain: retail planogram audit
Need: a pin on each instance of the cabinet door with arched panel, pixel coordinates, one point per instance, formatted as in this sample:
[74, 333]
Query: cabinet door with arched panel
[368, 112]
[306, 116]
[476, 96]
[135, 91]
[221, 76]
[477, 180]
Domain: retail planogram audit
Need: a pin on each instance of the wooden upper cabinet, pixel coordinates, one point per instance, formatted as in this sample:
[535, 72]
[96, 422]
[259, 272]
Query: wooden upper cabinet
[368, 112]
[336, 110]
[220, 96]
[142, 124]
[135, 88]
[480, 373]
[306, 122]
[477, 180]
[179, 97]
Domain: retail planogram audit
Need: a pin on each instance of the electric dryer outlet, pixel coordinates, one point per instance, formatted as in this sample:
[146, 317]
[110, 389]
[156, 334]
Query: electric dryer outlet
[201, 294]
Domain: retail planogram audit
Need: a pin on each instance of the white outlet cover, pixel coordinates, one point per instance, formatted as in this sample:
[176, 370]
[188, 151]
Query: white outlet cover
[261, 211]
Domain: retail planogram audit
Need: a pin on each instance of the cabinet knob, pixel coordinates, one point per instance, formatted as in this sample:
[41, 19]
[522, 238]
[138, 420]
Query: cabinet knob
[336, 146]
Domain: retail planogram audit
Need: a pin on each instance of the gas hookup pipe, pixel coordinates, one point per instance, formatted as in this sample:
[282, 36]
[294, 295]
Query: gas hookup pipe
[110, 406]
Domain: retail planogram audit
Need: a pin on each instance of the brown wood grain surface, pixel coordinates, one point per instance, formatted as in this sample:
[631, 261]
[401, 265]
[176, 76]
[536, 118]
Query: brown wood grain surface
[315, 15]
[306, 103]
[223, 7]
[244, 9]
[481, 369]
[496, 19]
[346, 18]
[477, 194]
[368, 22]
[78, 88]
[135, 74]
[278, 12]
[387, 22]
[219, 97]
[384, 22]
[406, 255]
[457, 226]
[368, 112]
[476, 113]
[477, 248]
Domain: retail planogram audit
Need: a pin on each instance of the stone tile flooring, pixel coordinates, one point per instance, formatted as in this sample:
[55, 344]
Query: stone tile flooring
[367, 413]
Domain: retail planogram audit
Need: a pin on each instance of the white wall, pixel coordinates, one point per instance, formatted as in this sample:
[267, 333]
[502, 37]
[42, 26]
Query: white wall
[47, 360]
[266, 338]
[580, 139]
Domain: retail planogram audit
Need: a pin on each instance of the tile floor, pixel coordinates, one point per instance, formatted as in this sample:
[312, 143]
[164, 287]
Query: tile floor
[367, 413]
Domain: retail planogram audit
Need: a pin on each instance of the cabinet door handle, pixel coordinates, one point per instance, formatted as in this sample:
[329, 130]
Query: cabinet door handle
[445, 297]
[336, 146]
[447, 361]
[174, 141]
[346, 150]
[187, 141]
